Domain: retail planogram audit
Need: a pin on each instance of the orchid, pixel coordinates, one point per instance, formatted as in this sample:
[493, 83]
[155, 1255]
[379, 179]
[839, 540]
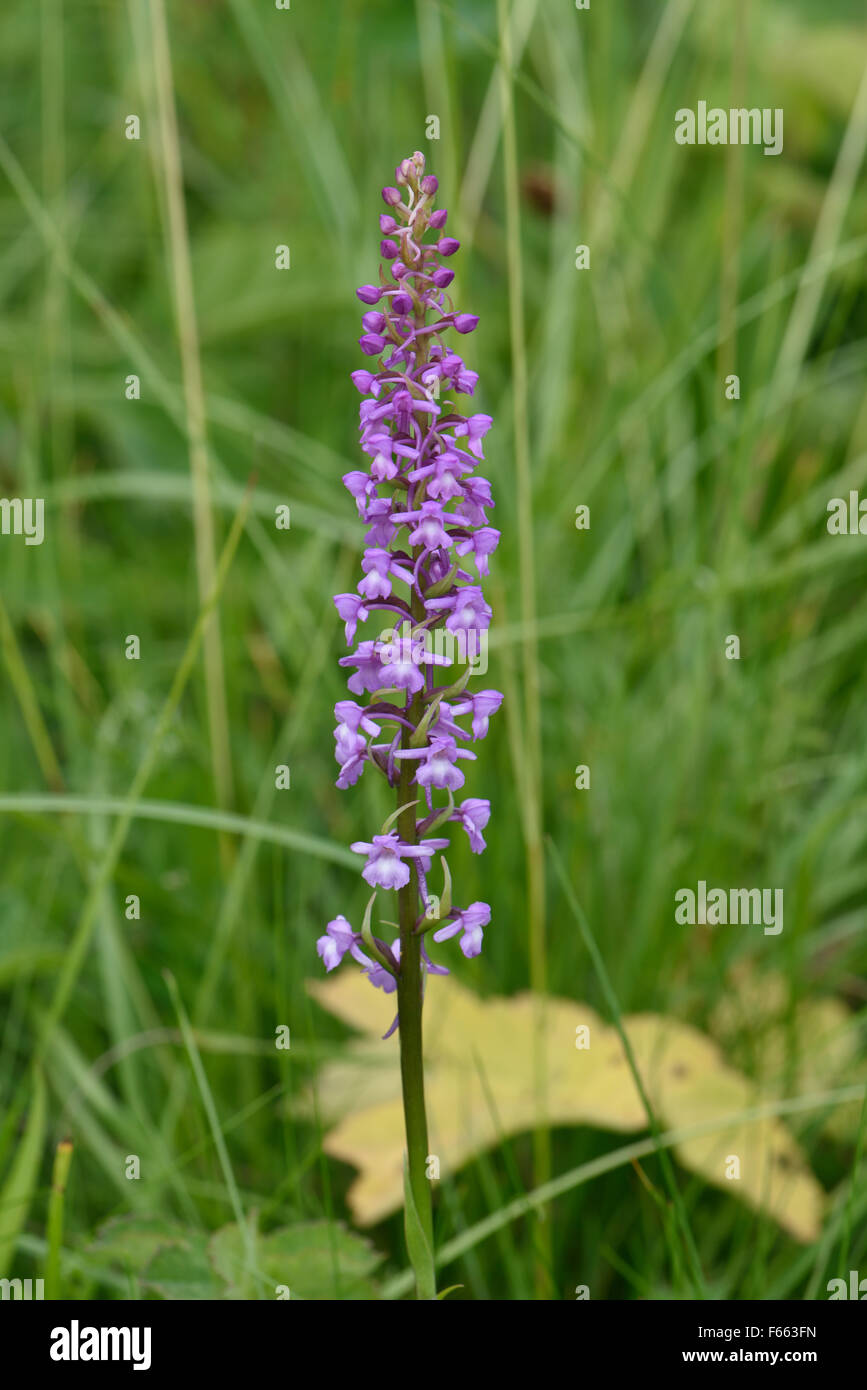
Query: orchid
[426, 512]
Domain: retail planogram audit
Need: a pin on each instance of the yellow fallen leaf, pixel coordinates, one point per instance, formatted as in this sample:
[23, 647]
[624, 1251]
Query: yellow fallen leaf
[484, 1059]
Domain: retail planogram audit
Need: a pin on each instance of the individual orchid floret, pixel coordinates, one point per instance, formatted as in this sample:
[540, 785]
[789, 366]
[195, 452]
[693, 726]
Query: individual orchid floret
[466, 610]
[482, 704]
[473, 814]
[401, 662]
[352, 610]
[380, 567]
[338, 939]
[438, 767]
[385, 855]
[469, 923]
[475, 428]
[350, 750]
[480, 544]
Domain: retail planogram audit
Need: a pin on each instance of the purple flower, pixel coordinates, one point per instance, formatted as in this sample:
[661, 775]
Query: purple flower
[371, 344]
[385, 855]
[350, 750]
[480, 545]
[469, 923]
[429, 531]
[466, 609]
[369, 673]
[354, 717]
[425, 508]
[481, 705]
[474, 814]
[475, 428]
[338, 939]
[378, 566]
[352, 610]
[401, 660]
[439, 768]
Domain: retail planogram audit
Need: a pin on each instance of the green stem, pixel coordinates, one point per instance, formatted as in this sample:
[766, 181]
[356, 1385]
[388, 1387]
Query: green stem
[530, 746]
[418, 1205]
[409, 1004]
[59, 1175]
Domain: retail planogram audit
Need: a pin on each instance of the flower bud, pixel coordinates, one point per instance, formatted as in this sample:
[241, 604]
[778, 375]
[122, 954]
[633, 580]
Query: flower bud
[371, 344]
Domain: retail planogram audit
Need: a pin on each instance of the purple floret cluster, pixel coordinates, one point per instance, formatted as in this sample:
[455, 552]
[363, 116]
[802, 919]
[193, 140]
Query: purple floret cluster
[426, 511]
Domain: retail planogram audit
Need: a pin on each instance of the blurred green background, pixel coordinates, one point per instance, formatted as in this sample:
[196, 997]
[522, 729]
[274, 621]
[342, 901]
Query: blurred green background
[708, 518]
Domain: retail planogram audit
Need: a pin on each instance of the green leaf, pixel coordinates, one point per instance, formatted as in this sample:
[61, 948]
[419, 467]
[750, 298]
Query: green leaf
[182, 1271]
[20, 1185]
[418, 1249]
[131, 1241]
[314, 1260]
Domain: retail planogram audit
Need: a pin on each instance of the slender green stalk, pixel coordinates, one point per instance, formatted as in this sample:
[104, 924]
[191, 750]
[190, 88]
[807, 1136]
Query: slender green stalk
[194, 400]
[410, 999]
[531, 745]
[733, 210]
[21, 1181]
[409, 1003]
[28, 702]
[210, 1109]
[54, 1233]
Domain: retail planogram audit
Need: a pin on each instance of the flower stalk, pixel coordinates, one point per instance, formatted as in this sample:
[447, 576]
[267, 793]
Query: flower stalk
[425, 507]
